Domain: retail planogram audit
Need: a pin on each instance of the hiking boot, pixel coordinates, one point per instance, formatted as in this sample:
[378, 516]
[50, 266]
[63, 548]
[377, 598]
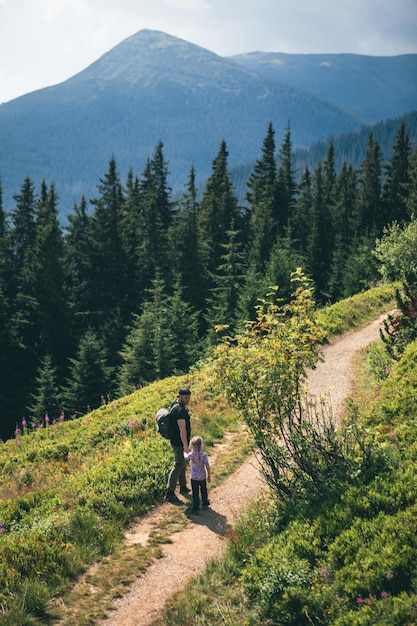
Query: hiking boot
[184, 491]
[172, 498]
[206, 505]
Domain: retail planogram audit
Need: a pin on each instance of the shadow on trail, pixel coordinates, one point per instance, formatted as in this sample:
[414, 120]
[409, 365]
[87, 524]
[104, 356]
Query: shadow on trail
[216, 522]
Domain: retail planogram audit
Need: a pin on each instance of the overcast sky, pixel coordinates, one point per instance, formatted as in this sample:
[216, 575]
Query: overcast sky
[44, 42]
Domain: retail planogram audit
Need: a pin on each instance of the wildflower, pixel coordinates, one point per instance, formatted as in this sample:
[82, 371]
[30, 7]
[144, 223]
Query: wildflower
[324, 572]
[389, 575]
[388, 392]
[393, 435]
[2, 528]
[17, 431]
[46, 418]
[384, 594]
[24, 422]
[359, 600]
[387, 370]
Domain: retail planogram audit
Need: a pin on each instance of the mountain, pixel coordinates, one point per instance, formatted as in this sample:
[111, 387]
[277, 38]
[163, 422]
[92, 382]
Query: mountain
[372, 88]
[152, 87]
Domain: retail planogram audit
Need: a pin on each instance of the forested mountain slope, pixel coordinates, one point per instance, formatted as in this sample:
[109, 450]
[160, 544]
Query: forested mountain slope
[153, 87]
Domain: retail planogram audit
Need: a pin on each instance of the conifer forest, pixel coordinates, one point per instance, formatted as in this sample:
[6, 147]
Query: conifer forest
[139, 284]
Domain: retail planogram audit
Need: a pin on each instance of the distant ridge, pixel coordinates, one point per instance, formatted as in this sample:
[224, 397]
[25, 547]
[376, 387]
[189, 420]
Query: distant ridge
[152, 87]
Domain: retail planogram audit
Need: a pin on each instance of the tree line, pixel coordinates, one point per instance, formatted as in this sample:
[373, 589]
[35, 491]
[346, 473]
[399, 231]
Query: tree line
[138, 284]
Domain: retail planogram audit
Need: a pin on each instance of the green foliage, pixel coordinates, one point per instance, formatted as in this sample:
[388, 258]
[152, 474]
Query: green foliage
[350, 560]
[69, 489]
[262, 372]
[396, 252]
[357, 310]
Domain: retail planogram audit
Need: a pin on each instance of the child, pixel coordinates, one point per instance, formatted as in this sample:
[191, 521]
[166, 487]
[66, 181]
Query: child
[200, 473]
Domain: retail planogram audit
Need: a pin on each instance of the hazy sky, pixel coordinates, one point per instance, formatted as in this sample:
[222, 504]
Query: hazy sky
[44, 42]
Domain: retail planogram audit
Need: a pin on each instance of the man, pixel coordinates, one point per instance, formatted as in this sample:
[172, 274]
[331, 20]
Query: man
[180, 419]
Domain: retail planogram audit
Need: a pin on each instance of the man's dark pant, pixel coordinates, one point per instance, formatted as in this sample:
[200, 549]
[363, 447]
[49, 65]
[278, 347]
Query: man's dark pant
[177, 473]
[197, 486]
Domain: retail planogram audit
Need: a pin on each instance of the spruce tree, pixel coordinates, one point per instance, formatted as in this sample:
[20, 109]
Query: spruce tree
[107, 262]
[90, 378]
[183, 322]
[79, 270]
[219, 211]
[148, 352]
[320, 246]
[370, 191]
[48, 280]
[227, 286]
[154, 196]
[261, 196]
[397, 178]
[45, 398]
[286, 184]
[411, 188]
[302, 218]
[186, 246]
[346, 228]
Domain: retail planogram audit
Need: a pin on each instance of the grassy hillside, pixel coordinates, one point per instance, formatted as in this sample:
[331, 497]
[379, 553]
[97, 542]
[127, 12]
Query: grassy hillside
[349, 560]
[69, 489]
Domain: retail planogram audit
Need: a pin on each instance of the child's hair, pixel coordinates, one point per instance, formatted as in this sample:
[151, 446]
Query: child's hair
[196, 443]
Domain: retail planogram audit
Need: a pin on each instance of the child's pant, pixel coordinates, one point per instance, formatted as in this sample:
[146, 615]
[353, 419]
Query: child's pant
[198, 486]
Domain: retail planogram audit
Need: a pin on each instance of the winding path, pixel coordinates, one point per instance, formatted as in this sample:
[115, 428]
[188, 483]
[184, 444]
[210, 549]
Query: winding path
[143, 603]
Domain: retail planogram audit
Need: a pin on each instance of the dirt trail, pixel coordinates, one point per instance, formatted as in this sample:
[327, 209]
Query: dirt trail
[144, 603]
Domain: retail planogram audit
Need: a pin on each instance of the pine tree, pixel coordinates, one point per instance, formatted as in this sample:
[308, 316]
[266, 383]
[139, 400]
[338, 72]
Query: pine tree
[284, 261]
[219, 210]
[48, 280]
[228, 280]
[286, 185]
[22, 233]
[397, 178]
[261, 196]
[302, 218]
[108, 263]
[320, 248]
[131, 233]
[89, 382]
[148, 352]
[156, 207]
[411, 188]
[79, 271]
[45, 399]
[346, 228]
[183, 322]
[186, 246]
[370, 191]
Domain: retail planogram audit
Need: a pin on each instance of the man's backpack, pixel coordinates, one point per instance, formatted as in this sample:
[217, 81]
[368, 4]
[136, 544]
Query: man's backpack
[163, 423]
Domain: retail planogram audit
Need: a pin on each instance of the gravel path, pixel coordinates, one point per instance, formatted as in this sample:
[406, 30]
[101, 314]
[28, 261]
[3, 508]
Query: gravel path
[144, 603]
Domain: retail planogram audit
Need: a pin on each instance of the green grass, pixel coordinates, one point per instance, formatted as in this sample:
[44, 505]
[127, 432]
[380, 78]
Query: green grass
[70, 490]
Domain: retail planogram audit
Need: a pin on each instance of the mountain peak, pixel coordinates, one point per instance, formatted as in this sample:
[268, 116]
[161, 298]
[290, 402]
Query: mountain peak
[145, 53]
